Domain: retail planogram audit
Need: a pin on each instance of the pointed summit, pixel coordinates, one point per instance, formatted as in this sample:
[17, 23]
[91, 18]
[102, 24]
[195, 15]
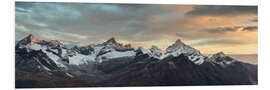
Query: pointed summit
[217, 55]
[110, 41]
[154, 47]
[220, 54]
[179, 47]
[141, 51]
[178, 42]
[28, 37]
[31, 38]
[156, 52]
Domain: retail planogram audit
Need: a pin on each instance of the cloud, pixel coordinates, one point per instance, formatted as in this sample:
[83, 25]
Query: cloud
[223, 41]
[141, 24]
[47, 33]
[219, 42]
[97, 21]
[223, 30]
[220, 10]
[22, 10]
[137, 22]
[255, 19]
[250, 28]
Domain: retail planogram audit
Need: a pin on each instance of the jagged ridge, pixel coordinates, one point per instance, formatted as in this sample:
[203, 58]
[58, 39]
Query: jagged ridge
[122, 62]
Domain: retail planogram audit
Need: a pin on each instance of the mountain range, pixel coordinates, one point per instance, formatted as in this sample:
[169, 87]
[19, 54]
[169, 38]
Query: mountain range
[48, 64]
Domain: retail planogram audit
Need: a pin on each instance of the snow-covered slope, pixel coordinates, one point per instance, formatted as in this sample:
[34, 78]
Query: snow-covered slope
[117, 54]
[156, 52]
[221, 59]
[76, 55]
[175, 50]
[180, 48]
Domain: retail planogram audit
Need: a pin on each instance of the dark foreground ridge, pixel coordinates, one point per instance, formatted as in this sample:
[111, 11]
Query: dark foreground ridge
[49, 64]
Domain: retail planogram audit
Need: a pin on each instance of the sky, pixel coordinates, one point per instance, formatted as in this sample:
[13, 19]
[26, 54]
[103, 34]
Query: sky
[208, 28]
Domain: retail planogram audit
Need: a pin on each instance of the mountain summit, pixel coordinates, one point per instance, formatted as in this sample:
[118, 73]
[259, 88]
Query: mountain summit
[111, 41]
[179, 42]
[31, 38]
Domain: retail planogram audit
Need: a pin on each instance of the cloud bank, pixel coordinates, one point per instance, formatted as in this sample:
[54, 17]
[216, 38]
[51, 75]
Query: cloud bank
[139, 24]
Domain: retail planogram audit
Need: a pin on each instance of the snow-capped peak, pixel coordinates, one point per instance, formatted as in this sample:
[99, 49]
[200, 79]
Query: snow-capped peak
[142, 50]
[179, 47]
[217, 55]
[156, 52]
[31, 38]
[221, 59]
[154, 49]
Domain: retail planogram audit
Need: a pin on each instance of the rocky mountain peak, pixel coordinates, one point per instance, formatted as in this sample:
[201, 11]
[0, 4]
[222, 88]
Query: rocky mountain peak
[31, 38]
[110, 41]
[154, 47]
[178, 45]
[178, 42]
[220, 54]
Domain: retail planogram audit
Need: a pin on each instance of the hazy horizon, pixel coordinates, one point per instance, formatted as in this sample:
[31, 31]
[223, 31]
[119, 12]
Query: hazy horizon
[208, 28]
